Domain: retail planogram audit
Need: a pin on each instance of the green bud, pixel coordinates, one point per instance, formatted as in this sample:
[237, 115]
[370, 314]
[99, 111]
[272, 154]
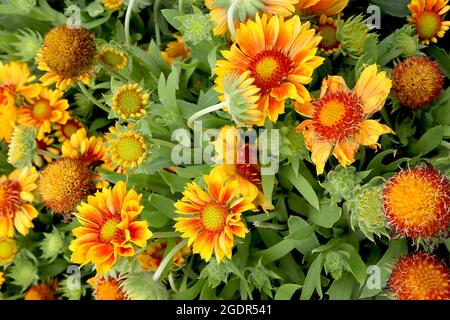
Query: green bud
[196, 27]
[141, 286]
[23, 147]
[262, 278]
[70, 291]
[24, 271]
[335, 263]
[292, 143]
[406, 39]
[52, 244]
[353, 35]
[27, 44]
[216, 273]
[341, 183]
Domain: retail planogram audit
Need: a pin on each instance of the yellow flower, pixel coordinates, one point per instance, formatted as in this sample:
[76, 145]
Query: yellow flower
[212, 217]
[107, 288]
[339, 122]
[322, 7]
[87, 149]
[44, 110]
[280, 56]
[427, 16]
[113, 4]
[67, 55]
[129, 102]
[152, 257]
[327, 30]
[16, 196]
[15, 83]
[175, 49]
[8, 250]
[41, 291]
[109, 227]
[2, 279]
[114, 58]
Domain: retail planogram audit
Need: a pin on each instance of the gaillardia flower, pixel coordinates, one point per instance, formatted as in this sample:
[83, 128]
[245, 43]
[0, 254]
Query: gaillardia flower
[417, 201]
[339, 122]
[8, 250]
[152, 257]
[16, 196]
[175, 50]
[15, 82]
[417, 82]
[41, 291]
[129, 102]
[65, 183]
[280, 56]
[427, 16]
[420, 276]
[87, 149]
[67, 55]
[113, 4]
[327, 30]
[109, 227]
[65, 131]
[322, 7]
[219, 11]
[113, 58]
[107, 288]
[212, 217]
[43, 111]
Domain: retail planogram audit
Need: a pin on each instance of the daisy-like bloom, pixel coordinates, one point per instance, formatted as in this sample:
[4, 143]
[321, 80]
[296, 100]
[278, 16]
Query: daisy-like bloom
[114, 58]
[67, 55]
[113, 4]
[427, 16]
[175, 50]
[109, 227]
[212, 217]
[16, 196]
[125, 147]
[65, 131]
[322, 7]
[129, 102]
[8, 250]
[87, 149]
[107, 288]
[417, 74]
[151, 259]
[46, 144]
[327, 30]
[65, 183]
[219, 10]
[41, 291]
[420, 276]
[15, 82]
[280, 56]
[43, 111]
[417, 201]
[339, 122]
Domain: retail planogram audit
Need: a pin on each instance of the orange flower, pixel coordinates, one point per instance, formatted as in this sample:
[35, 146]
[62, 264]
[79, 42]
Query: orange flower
[417, 201]
[420, 276]
[44, 110]
[65, 131]
[109, 227]
[151, 259]
[280, 56]
[427, 16]
[175, 49]
[212, 218]
[322, 7]
[16, 196]
[339, 118]
[41, 291]
[81, 147]
[327, 30]
[107, 288]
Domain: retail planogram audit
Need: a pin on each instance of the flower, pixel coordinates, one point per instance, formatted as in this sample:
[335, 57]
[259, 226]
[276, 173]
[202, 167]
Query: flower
[67, 55]
[327, 30]
[43, 111]
[322, 7]
[107, 288]
[65, 183]
[41, 291]
[280, 56]
[129, 102]
[354, 36]
[113, 58]
[417, 74]
[24, 271]
[175, 49]
[65, 131]
[8, 250]
[416, 202]
[338, 121]
[113, 4]
[23, 147]
[87, 149]
[142, 286]
[16, 196]
[195, 27]
[212, 217]
[15, 82]
[219, 10]
[427, 16]
[109, 227]
[420, 276]
[125, 147]
[241, 96]
[152, 257]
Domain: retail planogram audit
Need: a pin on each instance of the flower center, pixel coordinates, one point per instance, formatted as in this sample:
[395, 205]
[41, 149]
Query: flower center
[7, 249]
[213, 217]
[329, 40]
[109, 229]
[426, 281]
[338, 115]
[9, 198]
[109, 290]
[70, 128]
[129, 102]
[269, 68]
[111, 58]
[41, 110]
[130, 148]
[428, 24]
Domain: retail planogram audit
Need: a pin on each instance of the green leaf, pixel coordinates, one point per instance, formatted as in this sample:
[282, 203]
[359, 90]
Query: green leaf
[286, 291]
[342, 289]
[312, 281]
[175, 182]
[163, 205]
[191, 293]
[442, 57]
[357, 266]
[328, 215]
[428, 142]
[268, 183]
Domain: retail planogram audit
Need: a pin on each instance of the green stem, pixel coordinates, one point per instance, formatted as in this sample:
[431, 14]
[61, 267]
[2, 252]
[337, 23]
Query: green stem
[114, 73]
[49, 154]
[266, 225]
[180, 5]
[167, 259]
[91, 97]
[156, 17]
[197, 115]
[386, 117]
[165, 235]
[230, 19]
[127, 21]
[163, 143]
